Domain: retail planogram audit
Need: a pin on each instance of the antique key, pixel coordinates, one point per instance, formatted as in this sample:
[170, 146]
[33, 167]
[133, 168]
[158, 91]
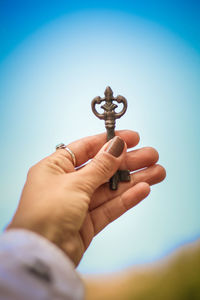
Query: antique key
[109, 116]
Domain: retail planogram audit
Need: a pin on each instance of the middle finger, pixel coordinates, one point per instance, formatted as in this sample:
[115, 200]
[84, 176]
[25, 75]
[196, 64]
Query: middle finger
[145, 159]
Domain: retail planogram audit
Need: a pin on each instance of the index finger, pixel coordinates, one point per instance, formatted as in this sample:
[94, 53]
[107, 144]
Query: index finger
[86, 148]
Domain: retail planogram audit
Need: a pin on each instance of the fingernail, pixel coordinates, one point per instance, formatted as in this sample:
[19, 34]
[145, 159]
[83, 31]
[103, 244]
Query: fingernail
[116, 146]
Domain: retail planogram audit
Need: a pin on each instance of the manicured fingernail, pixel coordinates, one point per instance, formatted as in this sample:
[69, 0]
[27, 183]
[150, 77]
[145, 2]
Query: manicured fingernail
[116, 146]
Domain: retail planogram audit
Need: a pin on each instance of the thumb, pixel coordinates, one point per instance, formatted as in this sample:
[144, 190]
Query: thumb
[103, 165]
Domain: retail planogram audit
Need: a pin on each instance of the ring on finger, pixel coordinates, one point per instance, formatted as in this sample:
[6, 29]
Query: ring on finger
[63, 146]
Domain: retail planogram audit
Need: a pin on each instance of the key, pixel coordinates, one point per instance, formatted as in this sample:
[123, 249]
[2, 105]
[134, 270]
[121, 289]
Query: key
[109, 116]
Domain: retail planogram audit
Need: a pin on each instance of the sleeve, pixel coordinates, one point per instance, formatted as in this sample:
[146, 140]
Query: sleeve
[31, 267]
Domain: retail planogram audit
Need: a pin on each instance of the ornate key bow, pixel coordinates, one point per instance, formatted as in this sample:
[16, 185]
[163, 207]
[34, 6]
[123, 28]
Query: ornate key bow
[109, 116]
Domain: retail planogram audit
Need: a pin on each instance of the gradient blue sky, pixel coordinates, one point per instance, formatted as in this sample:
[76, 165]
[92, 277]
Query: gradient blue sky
[149, 51]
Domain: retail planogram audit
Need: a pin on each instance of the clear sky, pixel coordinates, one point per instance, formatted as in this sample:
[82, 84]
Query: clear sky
[56, 56]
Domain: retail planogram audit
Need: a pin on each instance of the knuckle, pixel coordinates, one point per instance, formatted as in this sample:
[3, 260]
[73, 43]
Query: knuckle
[59, 160]
[56, 161]
[31, 170]
[103, 165]
[88, 148]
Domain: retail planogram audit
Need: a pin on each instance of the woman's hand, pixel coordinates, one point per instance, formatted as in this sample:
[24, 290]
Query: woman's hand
[68, 206]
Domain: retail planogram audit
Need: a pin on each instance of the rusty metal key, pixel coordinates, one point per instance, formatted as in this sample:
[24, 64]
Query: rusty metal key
[109, 116]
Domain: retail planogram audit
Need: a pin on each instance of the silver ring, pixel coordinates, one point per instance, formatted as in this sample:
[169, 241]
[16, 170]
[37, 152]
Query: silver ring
[63, 146]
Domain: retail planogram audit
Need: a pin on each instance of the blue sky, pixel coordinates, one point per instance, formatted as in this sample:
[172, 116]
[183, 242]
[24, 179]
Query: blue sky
[21, 18]
[148, 51]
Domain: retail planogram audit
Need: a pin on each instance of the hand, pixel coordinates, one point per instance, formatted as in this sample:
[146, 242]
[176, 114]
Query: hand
[68, 206]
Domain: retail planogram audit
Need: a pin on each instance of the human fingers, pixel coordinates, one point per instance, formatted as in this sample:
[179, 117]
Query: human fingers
[59, 162]
[151, 175]
[86, 148]
[113, 209]
[102, 166]
[139, 159]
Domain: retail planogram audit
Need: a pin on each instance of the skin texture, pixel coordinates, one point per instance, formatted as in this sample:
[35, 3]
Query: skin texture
[70, 206]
